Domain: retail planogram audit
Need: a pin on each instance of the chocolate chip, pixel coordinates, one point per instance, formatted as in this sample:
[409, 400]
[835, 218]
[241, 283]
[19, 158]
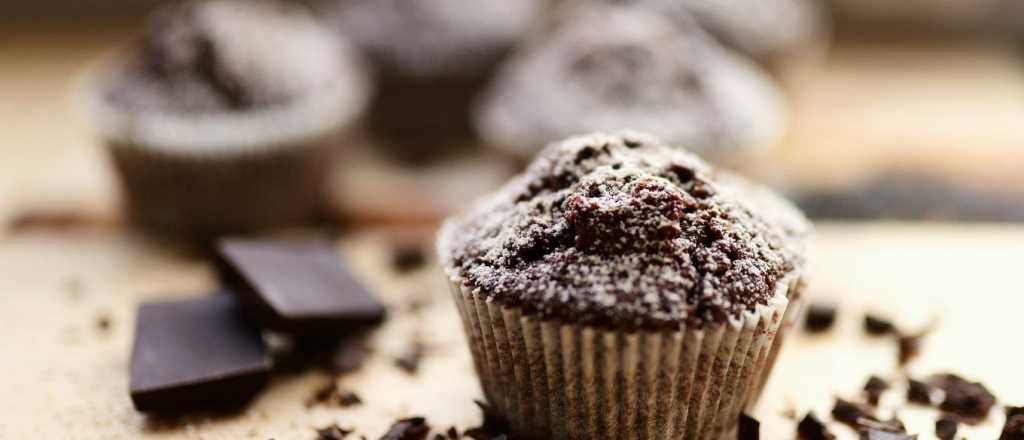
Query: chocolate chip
[298, 287]
[413, 428]
[920, 393]
[876, 326]
[874, 388]
[909, 347]
[409, 360]
[946, 427]
[196, 352]
[820, 317]
[749, 428]
[406, 257]
[332, 432]
[810, 428]
[1014, 427]
[851, 413]
[453, 434]
[969, 400]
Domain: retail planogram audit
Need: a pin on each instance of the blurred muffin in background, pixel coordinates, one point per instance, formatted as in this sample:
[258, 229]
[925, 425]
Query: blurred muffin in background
[431, 57]
[773, 32]
[606, 67]
[223, 115]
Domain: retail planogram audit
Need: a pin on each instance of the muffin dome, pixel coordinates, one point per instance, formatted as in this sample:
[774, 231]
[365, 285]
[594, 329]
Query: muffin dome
[606, 67]
[227, 54]
[623, 231]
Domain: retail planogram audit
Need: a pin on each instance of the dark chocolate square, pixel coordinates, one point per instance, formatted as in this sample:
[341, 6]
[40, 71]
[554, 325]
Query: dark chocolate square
[195, 353]
[299, 287]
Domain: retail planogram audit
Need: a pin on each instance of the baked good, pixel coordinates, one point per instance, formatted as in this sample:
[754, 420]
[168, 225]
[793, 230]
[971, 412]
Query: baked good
[223, 115]
[620, 285]
[608, 67]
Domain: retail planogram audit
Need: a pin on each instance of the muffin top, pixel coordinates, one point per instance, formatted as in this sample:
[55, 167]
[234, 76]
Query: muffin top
[622, 231]
[430, 38]
[226, 55]
[606, 67]
[763, 29]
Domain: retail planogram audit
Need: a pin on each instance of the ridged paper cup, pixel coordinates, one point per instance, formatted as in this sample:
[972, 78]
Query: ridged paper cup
[559, 380]
[224, 172]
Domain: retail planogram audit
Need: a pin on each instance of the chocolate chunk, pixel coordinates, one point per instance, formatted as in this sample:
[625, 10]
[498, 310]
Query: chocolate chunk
[894, 425]
[920, 393]
[876, 326]
[1014, 427]
[969, 400]
[453, 434]
[414, 428]
[851, 413]
[910, 347]
[297, 287]
[874, 388]
[406, 257]
[332, 432]
[945, 427]
[196, 352]
[493, 427]
[749, 428]
[820, 317]
[878, 434]
[409, 360]
[810, 428]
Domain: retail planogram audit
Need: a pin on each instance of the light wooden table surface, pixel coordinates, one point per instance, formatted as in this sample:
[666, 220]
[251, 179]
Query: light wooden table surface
[62, 377]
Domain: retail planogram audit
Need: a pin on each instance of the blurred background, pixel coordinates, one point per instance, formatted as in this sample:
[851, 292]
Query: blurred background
[857, 109]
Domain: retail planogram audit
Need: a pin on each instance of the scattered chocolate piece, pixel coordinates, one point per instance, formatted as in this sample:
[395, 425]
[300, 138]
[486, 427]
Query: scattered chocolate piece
[920, 393]
[493, 427]
[196, 352]
[1014, 427]
[332, 432]
[406, 257]
[810, 428]
[330, 394]
[409, 360]
[910, 347]
[749, 428]
[946, 427]
[104, 322]
[296, 287]
[851, 413]
[876, 326]
[453, 434]
[874, 388]
[820, 317]
[894, 425]
[969, 400]
[878, 434]
[413, 428]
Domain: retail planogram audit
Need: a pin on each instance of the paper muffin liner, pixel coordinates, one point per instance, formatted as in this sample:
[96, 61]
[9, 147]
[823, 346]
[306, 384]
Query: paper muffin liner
[557, 380]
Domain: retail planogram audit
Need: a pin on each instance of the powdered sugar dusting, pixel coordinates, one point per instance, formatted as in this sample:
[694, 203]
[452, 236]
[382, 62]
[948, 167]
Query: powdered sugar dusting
[622, 230]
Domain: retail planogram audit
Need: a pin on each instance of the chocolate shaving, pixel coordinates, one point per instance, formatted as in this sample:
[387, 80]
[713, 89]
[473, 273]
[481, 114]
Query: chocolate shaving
[969, 400]
[810, 428]
[749, 428]
[413, 428]
[820, 317]
[909, 347]
[876, 326]
[920, 393]
[874, 388]
[946, 427]
[1014, 427]
[332, 432]
[851, 413]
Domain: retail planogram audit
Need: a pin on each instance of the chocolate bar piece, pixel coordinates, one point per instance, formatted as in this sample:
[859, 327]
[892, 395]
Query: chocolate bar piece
[297, 287]
[196, 353]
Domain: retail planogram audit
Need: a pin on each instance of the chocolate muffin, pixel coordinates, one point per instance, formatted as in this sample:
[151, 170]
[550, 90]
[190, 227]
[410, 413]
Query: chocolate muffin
[432, 57]
[607, 67]
[621, 286]
[769, 31]
[223, 114]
